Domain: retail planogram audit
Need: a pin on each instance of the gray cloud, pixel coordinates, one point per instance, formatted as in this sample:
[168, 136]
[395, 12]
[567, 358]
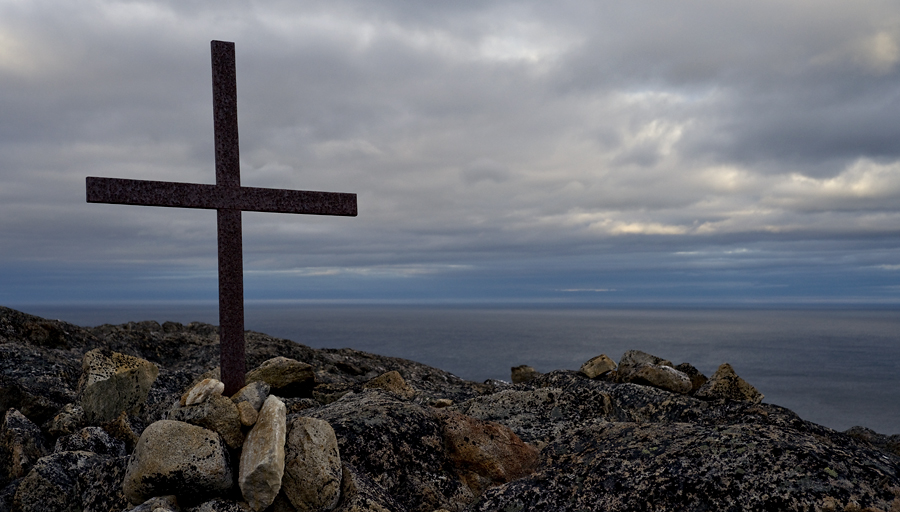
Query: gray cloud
[476, 134]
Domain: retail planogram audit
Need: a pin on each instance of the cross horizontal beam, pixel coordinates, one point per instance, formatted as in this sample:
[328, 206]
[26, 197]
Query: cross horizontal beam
[214, 197]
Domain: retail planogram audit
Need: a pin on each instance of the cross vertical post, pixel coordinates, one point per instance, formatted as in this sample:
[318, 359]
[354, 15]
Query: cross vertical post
[228, 220]
[229, 199]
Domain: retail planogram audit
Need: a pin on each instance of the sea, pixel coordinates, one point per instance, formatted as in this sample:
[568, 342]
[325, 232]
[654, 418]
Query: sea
[836, 366]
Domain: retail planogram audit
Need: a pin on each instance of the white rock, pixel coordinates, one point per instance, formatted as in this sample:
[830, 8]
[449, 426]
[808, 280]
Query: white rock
[262, 458]
[203, 390]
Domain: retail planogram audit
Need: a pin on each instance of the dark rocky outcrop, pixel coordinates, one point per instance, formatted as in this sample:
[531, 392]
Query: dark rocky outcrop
[395, 435]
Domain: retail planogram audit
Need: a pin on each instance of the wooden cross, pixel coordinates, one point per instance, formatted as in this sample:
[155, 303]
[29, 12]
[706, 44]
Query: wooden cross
[228, 198]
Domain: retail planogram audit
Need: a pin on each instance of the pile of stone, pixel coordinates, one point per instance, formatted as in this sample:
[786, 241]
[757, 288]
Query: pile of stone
[133, 418]
[214, 452]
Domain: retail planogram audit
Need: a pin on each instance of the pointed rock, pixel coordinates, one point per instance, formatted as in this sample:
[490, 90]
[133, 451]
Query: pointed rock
[112, 382]
[312, 474]
[262, 458]
[725, 383]
[173, 457]
[20, 444]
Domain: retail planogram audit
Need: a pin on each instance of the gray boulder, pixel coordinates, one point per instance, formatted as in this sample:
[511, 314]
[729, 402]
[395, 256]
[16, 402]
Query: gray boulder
[173, 457]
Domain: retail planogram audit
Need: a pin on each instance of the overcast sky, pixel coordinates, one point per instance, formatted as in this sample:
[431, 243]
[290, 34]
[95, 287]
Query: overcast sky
[579, 150]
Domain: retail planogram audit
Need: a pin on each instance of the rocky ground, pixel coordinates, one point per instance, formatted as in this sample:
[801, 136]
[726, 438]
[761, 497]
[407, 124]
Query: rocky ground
[132, 417]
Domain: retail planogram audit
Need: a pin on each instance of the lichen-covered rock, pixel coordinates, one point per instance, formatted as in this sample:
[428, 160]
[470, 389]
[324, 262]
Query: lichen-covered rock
[523, 373]
[112, 382]
[36, 381]
[632, 358]
[101, 488]
[887, 443]
[597, 366]
[216, 413]
[392, 382]
[173, 457]
[221, 505]
[312, 474]
[91, 439]
[67, 421]
[485, 453]
[55, 483]
[287, 377]
[201, 391]
[606, 444]
[725, 383]
[541, 415]
[262, 457]
[440, 403]
[399, 445]
[660, 376]
[158, 504]
[360, 494]
[685, 467]
[20, 445]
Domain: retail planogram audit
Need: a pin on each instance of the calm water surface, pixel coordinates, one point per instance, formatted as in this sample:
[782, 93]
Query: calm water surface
[835, 367]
